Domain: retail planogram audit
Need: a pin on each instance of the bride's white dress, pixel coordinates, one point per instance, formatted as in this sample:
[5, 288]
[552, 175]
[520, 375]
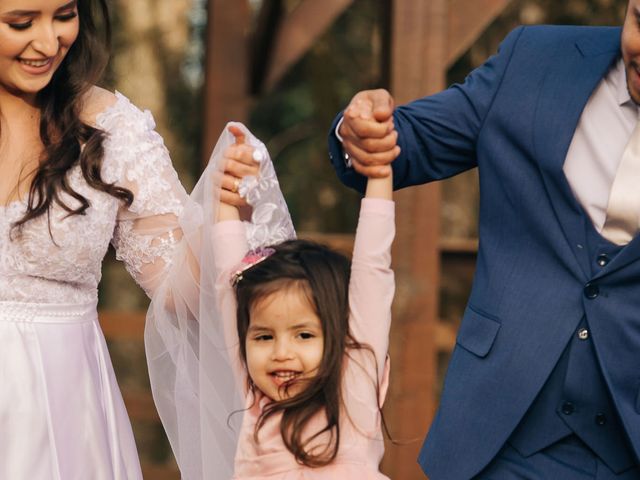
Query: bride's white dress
[61, 413]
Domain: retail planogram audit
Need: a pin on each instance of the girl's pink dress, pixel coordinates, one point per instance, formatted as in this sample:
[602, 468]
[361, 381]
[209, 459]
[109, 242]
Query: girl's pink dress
[371, 293]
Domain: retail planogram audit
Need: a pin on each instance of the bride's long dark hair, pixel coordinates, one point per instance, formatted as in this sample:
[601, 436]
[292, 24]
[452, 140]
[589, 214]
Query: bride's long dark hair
[67, 140]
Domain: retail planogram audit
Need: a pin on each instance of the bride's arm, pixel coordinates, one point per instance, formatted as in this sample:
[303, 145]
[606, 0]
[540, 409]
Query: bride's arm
[166, 240]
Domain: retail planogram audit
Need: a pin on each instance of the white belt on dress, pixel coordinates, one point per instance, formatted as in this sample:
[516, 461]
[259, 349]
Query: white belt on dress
[48, 312]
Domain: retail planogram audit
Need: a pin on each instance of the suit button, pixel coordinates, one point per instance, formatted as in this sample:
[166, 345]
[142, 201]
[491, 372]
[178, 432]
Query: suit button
[568, 408]
[601, 419]
[602, 260]
[591, 291]
[583, 334]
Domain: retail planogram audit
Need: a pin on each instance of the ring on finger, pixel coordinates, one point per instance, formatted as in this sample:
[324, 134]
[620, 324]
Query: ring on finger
[347, 160]
[236, 185]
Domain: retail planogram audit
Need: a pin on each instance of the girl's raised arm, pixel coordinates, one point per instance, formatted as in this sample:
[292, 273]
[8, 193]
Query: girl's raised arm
[380, 187]
[371, 291]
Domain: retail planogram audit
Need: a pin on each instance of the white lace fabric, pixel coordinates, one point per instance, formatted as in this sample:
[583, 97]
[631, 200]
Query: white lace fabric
[66, 267]
[270, 220]
[50, 339]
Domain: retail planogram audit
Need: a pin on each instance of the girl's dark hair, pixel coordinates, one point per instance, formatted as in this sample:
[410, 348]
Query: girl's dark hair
[62, 132]
[323, 275]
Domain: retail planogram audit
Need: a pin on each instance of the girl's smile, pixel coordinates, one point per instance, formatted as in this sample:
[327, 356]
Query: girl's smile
[281, 377]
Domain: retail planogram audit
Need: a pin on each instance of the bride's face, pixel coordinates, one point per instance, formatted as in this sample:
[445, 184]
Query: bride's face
[35, 36]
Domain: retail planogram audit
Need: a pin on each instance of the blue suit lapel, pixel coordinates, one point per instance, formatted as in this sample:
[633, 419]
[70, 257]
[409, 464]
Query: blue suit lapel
[565, 90]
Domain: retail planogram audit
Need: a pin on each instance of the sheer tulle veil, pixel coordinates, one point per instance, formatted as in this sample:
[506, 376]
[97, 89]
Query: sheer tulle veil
[192, 363]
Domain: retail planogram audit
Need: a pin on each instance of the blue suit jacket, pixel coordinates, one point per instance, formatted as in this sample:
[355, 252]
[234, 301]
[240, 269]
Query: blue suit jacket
[514, 119]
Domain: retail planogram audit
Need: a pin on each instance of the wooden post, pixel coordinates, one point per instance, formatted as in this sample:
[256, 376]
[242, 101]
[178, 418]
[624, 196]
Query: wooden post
[426, 38]
[227, 69]
[418, 66]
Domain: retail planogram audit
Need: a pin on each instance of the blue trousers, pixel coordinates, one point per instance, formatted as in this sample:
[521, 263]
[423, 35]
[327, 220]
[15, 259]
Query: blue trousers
[568, 459]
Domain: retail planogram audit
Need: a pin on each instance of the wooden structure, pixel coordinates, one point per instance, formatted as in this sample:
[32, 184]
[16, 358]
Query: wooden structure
[425, 39]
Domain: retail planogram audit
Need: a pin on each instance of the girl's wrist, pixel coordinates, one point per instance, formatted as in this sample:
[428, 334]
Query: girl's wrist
[227, 212]
[380, 187]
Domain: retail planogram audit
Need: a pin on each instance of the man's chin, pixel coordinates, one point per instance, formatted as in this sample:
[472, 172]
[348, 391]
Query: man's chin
[634, 94]
[633, 82]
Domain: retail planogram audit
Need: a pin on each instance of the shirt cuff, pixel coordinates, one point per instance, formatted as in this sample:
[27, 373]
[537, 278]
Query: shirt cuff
[345, 155]
[337, 131]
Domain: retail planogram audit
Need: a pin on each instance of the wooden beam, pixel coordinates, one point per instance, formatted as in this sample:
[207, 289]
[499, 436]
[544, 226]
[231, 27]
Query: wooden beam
[140, 406]
[160, 472]
[226, 70]
[342, 242]
[122, 325]
[299, 32]
[467, 20]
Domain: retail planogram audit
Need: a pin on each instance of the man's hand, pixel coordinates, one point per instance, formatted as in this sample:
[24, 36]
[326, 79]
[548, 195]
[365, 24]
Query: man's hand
[369, 136]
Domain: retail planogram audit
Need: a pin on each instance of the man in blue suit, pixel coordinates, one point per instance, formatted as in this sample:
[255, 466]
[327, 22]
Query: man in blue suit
[544, 382]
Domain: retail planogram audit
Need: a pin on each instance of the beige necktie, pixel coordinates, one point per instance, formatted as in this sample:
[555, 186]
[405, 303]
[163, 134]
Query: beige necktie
[623, 210]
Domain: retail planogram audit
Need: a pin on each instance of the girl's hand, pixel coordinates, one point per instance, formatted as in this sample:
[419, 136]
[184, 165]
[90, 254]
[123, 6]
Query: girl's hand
[239, 163]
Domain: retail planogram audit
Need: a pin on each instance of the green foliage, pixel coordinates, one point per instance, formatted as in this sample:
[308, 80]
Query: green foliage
[566, 12]
[294, 119]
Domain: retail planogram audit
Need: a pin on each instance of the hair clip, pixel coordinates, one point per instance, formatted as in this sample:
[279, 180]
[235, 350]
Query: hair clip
[250, 259]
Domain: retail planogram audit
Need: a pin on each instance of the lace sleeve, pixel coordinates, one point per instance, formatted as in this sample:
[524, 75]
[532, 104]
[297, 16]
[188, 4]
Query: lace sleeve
[147, 232]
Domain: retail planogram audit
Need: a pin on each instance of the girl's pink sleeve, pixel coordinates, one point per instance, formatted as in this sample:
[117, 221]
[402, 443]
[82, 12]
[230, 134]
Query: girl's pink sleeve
[371, 290]
[372, 283]
[229, 243]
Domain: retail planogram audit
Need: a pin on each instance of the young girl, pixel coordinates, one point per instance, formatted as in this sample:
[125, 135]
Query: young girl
[310, 332]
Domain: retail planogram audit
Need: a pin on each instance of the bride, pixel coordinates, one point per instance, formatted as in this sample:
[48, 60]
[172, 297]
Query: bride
[80, 168]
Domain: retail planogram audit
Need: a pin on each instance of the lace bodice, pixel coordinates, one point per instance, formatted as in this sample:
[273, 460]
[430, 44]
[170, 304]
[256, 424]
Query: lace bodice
[34, 267]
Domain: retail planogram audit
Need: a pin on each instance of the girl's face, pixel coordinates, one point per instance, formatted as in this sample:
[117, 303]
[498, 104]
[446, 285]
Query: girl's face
[35, 36]
[284, 343]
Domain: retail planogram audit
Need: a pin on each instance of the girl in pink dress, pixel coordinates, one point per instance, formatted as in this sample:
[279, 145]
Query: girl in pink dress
[307, 333]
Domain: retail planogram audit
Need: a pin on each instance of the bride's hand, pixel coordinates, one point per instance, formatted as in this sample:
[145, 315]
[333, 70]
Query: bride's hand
[239, 163]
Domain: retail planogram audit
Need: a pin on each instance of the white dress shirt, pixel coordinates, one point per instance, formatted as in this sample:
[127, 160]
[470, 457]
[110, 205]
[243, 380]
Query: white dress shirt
[602, 134]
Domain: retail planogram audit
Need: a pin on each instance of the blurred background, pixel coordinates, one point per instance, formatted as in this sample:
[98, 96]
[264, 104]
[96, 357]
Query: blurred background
[286, 68]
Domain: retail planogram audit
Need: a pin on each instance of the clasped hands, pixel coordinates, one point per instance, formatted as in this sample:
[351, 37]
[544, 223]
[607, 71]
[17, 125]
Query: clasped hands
[369, 137]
